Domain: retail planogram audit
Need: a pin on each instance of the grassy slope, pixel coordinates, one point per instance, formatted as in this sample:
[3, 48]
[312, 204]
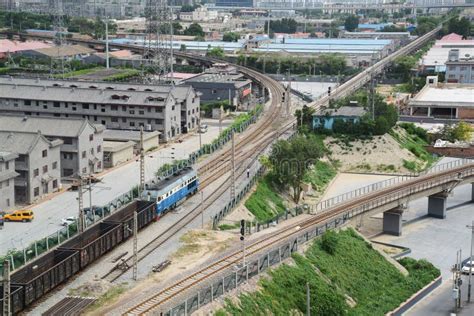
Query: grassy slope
[320, 175]
[265, 202]
[416, 146]
[354, 269]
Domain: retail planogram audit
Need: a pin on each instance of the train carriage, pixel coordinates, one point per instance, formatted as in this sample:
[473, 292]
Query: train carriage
[169, 192]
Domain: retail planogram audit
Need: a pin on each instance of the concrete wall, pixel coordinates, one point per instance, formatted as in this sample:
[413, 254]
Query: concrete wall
[120, 156]
[457, 152]
[7, 186]
[35, 187]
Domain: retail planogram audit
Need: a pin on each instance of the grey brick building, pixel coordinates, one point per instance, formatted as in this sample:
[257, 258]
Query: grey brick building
[116, 106]
[459, 69]
[7, 176]
[37, 164]
[81, 151]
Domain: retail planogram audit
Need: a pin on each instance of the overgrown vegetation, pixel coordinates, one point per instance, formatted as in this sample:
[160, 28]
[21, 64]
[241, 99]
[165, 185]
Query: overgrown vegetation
[350, 267]
[123, 75]
[320, 175]
[208, 107]
[265, 202]
[414, 139]
[80, 72]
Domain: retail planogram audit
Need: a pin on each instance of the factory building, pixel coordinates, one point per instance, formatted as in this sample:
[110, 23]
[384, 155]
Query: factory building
[116, 106]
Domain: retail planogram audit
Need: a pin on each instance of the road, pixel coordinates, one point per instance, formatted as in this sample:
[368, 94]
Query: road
[48, 214]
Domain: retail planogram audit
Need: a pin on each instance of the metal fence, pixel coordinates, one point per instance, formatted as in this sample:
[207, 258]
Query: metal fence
[224, 137]
[325, 204]
[20, 257]
[229, 280]
[221, 284]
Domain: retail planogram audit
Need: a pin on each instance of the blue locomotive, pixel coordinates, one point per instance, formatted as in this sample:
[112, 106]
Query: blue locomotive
[169, 192]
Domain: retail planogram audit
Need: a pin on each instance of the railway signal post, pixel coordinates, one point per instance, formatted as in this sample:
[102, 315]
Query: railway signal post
[80, 199]
[242, 238]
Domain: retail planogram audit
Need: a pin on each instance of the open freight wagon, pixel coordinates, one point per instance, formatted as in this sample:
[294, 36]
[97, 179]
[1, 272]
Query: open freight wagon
[33, 281]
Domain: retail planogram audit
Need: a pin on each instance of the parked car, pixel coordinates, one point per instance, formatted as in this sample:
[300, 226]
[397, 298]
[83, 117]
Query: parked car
[68, 221]
[467, 266]
[75, 184]
[19, 216]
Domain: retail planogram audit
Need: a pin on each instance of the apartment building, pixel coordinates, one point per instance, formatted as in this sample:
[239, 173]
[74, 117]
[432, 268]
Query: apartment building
[116, 106]
[82, 149]
[7, 178]
[37, 164]
[459, 69]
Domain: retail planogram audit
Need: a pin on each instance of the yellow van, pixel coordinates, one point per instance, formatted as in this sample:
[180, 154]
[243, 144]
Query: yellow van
[20, 216]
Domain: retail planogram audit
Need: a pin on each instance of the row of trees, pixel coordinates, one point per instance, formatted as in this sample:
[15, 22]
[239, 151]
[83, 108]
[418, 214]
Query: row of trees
[282, 26]
[327, 64]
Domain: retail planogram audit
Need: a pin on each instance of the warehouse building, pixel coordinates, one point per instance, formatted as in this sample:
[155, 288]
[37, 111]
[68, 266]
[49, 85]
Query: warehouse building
[150, 139]
[37, 164]
[116, 153]
[116, 106]
[7, 180]
[222, 86]
[81, 151]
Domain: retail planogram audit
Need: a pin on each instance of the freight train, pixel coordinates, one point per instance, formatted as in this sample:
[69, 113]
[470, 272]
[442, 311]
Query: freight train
[36, 279]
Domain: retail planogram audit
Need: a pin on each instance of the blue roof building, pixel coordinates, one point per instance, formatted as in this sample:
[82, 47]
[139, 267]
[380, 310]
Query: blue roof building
[345, 113]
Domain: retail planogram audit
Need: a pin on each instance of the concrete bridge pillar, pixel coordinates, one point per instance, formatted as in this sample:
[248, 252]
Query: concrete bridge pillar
[392, 222]
[437, 205]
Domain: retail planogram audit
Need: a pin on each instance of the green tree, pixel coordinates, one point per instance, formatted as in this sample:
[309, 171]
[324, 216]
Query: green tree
[351, 23]
[216, 52]
[282, 26]
[403, 65]
[307, 118]
[231, 37]
[292, 159]
[182, 48]
[194, 30]
[188, 8]
[461, 26]
[458, 132]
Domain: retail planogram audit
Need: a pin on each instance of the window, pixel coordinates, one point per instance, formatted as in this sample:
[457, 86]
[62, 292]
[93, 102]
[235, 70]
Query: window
[85, 106]
[158, 110]
[131, 111]
[114, 119]
[132, 124]
[148, 109]
[36, 172]
[84, 170]
[452, 76]
[56, 104]
[463, 68]
[74, 108]
[84, 153]
[91, 137]
[141, 112]
[172, 108]
[57, 115]
[36, 191]
[7, 165]
[92, 151]
[44, 153]
[54, 165]
[124, 108]
[124, 119]
[114, 107]
[67, 140]
[55, 184]
[45, 169]
[99, 149]
[8, 203]
[214, 91]
[27, 102]
[103, 122]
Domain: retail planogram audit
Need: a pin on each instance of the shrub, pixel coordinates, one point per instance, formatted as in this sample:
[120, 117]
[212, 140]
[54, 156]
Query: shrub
[329, 242]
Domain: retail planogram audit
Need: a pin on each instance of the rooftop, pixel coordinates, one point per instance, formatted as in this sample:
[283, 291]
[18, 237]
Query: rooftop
[7, 156]
[65, 51]
[113, 147]
[8, 46]
[48, 126]
[22, 143]
[345, 111]
[238, 79]
[453, 94]
[179, 91]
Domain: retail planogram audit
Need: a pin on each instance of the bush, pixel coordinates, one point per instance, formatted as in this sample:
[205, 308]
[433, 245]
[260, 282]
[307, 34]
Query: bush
[329, 242]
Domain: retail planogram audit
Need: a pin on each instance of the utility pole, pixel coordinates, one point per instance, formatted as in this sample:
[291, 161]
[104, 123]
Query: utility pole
[80, 221]
[202, 209]
[470, 263]
[308, 300]
[107, 42]
[90, 195]
[135, 245]
[242, 239]
[142, 164]
[6, 288]
[199, 132]
[232, 183]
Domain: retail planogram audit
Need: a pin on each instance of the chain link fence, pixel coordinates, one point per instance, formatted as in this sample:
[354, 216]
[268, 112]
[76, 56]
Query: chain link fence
[20, 257]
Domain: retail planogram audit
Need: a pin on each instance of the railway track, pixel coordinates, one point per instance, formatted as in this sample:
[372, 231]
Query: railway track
[157, 301]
